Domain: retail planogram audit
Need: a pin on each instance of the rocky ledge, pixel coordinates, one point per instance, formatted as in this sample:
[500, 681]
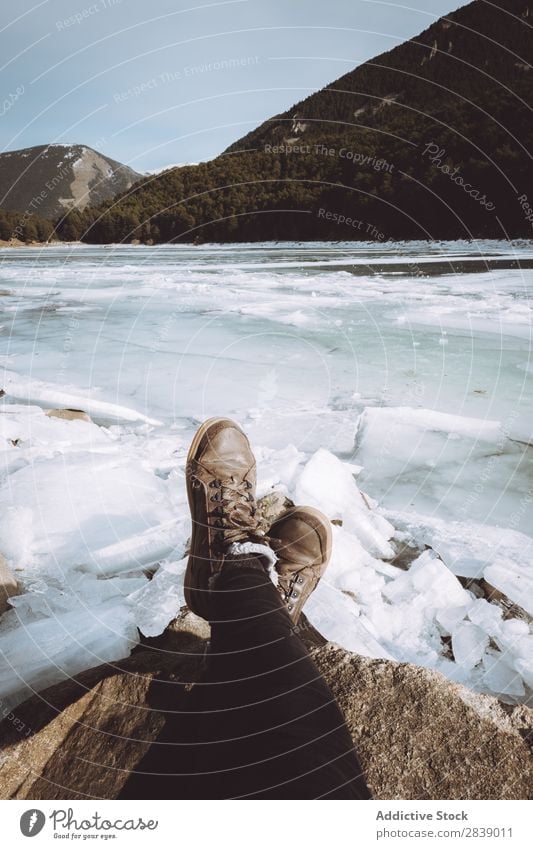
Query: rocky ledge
[419, 736]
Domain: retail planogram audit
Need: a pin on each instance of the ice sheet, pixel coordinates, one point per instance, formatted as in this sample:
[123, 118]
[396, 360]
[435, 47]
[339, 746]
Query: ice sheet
[376, 382]
[455, 466]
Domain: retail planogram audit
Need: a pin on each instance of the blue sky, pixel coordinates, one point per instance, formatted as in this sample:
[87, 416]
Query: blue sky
[164, 82]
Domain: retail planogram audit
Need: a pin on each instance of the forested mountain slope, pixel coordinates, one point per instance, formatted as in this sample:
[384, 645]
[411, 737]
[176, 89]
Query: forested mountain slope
[432, 139]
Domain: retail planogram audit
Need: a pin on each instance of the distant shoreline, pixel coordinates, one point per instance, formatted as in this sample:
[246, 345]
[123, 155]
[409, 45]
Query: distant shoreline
[16, 243]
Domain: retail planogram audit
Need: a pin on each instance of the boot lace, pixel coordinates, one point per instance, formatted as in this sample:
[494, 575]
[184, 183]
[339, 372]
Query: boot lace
[235, 516]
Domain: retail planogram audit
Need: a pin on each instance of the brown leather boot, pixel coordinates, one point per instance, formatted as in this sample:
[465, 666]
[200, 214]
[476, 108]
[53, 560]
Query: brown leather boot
[301, 538]
[221, 476]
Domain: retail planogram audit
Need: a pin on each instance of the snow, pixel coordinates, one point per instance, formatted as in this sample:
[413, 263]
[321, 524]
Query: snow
[352, 407]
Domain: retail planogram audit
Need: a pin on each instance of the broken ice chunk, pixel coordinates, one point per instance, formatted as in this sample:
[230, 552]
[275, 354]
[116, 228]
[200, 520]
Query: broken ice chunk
[468, 644]
[515, 580]
[428, 576]
[517, 644]
[525, 669]
[352, 569]
[43, 653]
[325, 482]
[499, 676]
[515, 628]
[467, 548]
[338, 619]
[486, 615]
[137, 552]
[158, 602]
[450, 617]
[22, 388]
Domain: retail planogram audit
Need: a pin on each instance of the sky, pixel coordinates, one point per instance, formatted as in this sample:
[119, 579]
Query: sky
[159, 83]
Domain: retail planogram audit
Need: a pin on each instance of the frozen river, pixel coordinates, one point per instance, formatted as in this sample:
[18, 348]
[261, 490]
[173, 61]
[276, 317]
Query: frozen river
[412, 361]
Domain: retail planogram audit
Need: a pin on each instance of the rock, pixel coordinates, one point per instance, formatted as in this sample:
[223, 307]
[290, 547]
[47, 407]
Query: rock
[83, 737]
[8, 585]
[68, 414]
[418, 735]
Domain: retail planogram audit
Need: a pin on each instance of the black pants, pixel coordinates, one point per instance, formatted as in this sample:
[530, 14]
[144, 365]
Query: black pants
[262, 723]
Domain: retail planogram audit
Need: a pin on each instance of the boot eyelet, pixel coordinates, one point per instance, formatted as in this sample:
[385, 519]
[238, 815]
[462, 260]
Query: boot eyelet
[300, 580]
[289, 607]
[294, 595]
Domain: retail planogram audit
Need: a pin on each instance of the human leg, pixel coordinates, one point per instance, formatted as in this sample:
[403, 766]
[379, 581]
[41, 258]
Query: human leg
[268, 725]
[262, 722]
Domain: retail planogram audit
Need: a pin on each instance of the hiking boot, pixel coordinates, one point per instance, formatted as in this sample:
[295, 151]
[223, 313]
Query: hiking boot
[221, 476]
[301, 539]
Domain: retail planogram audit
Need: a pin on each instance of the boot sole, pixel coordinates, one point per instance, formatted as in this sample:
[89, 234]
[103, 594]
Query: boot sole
[195, 596]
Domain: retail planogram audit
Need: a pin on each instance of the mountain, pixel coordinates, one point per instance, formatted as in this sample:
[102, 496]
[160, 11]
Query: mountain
[464, 69]
[48, 180]
[429, 140]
